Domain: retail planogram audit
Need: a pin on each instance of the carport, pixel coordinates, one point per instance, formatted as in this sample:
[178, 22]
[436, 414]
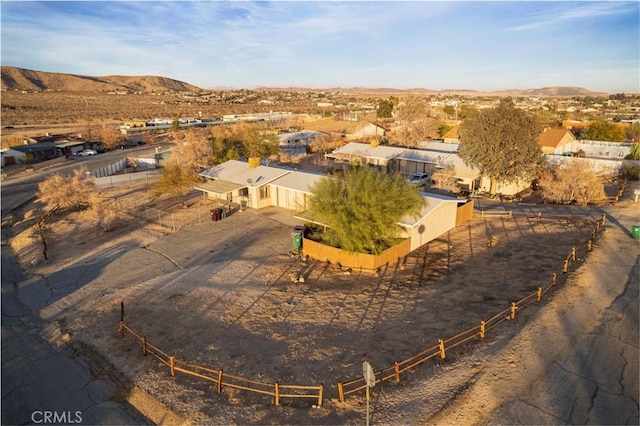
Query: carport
[222, 189]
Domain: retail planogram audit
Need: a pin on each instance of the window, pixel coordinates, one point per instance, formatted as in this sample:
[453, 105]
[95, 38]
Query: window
[264, 192]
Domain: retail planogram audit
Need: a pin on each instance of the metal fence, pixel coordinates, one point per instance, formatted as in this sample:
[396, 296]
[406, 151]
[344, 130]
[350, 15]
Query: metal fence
[128, 179]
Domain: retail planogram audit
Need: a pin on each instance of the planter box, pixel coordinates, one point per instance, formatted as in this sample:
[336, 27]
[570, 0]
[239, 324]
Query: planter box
[356, 261]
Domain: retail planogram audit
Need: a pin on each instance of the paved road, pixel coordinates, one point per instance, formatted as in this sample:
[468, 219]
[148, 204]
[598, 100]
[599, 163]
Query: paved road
[42, 381]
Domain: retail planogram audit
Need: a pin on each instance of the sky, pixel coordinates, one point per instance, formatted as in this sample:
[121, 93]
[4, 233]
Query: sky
[479, 45]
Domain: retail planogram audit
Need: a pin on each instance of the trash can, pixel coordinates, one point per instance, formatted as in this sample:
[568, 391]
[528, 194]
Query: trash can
[215, 215]
[297, 237]
[635, 231]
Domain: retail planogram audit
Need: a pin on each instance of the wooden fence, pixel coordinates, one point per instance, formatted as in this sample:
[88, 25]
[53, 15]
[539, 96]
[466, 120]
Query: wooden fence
[479, 331]
[219, 378]
[360, 261]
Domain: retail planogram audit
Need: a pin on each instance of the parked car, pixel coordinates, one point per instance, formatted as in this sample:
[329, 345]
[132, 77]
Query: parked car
[419, 179]
[87, 152]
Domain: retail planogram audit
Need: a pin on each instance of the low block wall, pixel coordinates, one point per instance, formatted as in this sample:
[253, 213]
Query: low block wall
[357, 261]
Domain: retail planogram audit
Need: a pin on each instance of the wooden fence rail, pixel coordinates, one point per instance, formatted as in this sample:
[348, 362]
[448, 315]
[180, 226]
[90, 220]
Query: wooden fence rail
[357, 385]
[218, 377]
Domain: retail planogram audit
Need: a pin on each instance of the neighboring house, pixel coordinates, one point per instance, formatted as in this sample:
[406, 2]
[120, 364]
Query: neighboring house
[37, 152]
[298, 139]
[12, 156]
[371, 154]
[556, 141]
[373, 130]
[452, 136]
[437, 217]
[409, 161]
[603, 149]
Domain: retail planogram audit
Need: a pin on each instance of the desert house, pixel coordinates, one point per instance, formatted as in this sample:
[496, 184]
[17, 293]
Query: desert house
[369, 130]
[257, 186]
[556, 141]
[452, 136]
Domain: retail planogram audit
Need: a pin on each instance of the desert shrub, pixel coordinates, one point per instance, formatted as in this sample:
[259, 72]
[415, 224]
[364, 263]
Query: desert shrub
[572, 181]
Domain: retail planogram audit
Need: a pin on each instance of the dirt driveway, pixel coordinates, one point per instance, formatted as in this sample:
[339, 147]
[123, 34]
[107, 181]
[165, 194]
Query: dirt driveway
[220, 294]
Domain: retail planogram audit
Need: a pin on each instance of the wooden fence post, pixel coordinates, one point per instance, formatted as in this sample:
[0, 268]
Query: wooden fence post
[513, 310]
[122, 311]
[604, 218]
[569, 218]
[593, 235]
[172, 365]
[441, 345]
[482, 329]
[565, 266]
[554, 278]
[320, 390]
[340, 392]
[589, 245]
[219, 384]
[539, 216]
[144, 346]
[510, 214]
[277, 393]
[396, 368]
[573, 254]
[539, 295]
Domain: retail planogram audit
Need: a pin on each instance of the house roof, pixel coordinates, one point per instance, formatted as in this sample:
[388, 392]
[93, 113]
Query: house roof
[355, 149]
[36, 147]
[553, 137]
[305, 134]
[433, 201]
[452, 133]
[239, 172]
[218, 186]
[299, 181]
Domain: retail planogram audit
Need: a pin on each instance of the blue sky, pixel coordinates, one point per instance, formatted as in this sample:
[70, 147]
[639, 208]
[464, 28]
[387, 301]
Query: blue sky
[477, 45]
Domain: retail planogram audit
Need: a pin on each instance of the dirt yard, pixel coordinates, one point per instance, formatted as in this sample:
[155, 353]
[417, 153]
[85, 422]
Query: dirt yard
[221, 295]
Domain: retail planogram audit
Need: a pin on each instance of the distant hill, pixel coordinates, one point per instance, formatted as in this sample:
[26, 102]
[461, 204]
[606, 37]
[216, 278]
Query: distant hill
[557, 91]
[14, 78]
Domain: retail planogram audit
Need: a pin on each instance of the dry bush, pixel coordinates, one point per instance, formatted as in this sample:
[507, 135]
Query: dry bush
[445, 180]
[572, 181]
[74, 191]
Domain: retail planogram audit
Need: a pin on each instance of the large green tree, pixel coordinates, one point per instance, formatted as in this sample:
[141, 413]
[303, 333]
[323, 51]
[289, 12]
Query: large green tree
[603, 131]
[502, 143]
[363, 207]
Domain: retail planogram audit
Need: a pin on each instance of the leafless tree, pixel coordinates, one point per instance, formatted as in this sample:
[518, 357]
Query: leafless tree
[416, 123]
[572, 181]
[111, 137]
[193, 149]
[445, 180]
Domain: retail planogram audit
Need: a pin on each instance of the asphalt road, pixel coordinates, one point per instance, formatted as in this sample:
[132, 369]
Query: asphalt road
[44, 382]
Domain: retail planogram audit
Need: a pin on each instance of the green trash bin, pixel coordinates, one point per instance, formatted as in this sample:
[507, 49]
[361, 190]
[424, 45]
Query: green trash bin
[635, 231]
[297, 241]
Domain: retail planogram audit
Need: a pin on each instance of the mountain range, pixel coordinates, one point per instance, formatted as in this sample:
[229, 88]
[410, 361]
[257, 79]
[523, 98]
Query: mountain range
[14, 78]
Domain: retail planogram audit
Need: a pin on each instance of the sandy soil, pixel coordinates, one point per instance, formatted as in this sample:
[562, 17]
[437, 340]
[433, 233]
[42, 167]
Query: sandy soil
[231, 304]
